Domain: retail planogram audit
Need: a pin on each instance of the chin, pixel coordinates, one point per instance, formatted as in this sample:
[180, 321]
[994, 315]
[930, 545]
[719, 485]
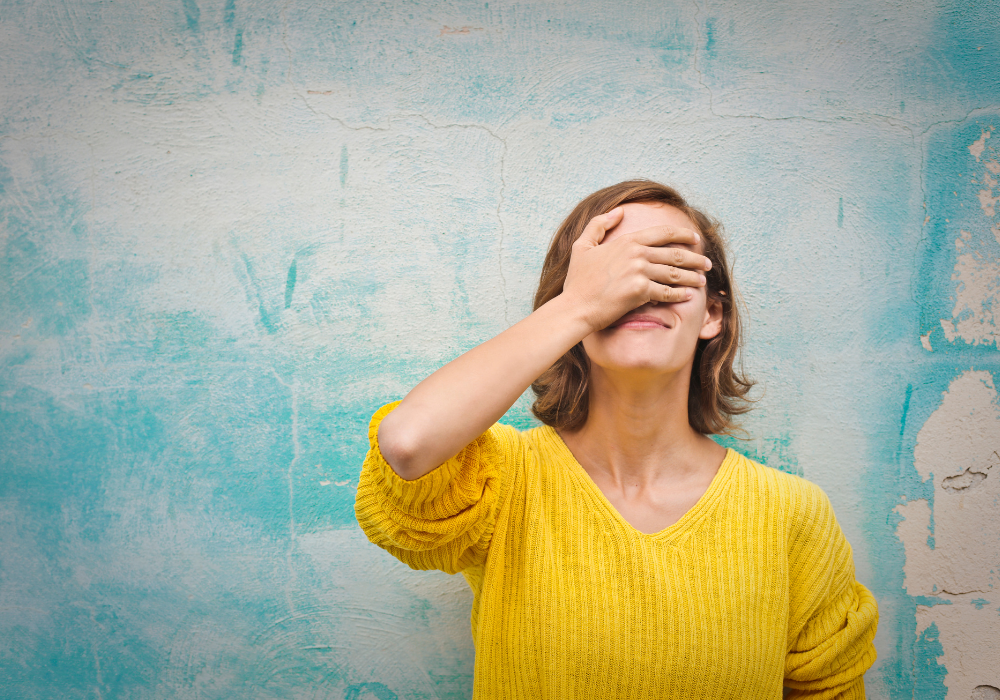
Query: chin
[639, 353]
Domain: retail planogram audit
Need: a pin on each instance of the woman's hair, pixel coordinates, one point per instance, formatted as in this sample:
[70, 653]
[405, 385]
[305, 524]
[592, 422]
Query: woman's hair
[718, 390]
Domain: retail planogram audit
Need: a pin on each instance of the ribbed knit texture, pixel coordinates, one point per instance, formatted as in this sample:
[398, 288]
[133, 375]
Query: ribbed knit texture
[751, 590]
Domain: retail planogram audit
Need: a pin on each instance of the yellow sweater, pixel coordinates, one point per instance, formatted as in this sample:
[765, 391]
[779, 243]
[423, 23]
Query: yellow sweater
[751, 590]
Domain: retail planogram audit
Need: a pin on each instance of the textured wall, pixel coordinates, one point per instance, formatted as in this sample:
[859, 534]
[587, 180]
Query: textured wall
[232, 228]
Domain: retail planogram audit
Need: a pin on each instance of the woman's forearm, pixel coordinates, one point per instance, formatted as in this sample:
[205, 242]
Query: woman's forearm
[456, 404]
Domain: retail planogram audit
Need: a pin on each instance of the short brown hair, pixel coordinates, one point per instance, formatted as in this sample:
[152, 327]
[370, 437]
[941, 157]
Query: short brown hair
[718, 390]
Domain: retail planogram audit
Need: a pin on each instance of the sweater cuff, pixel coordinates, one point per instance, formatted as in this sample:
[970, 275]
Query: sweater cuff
[851, 691]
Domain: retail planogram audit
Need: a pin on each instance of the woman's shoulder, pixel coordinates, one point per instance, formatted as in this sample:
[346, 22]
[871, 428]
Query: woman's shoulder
[776, 480]
[548, 447]
[796, 498]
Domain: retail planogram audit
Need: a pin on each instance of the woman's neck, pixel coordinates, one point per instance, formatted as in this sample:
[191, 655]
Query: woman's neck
[637, 430]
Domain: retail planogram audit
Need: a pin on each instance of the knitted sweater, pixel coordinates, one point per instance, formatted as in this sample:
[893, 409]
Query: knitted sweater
[752, 589]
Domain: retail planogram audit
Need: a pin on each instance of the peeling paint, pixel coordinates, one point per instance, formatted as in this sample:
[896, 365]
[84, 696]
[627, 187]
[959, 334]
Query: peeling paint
[977, 146]
[977, 268]
[957, 450]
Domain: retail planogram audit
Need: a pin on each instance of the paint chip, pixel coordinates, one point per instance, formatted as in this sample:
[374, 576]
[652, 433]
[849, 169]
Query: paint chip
[459, 30]
[925, 340]
[987, 201]
[976, 149]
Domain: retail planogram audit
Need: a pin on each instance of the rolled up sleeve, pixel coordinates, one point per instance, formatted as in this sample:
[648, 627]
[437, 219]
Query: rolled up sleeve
[443, 520]
[833, 618]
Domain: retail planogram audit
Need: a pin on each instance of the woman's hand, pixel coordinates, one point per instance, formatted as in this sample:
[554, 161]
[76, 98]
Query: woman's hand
[612, 279]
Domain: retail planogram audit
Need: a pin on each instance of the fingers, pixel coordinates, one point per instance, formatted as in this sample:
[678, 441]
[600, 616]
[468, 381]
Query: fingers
[600, 225]
[664, 235]
[665, 274]
[678, 257]
[669, 295]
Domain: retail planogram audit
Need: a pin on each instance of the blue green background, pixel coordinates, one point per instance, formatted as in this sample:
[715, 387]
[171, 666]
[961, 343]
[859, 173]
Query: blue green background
[231, 230]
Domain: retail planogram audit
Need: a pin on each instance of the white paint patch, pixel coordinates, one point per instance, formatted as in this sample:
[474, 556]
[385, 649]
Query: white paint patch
[977, 266]
[958, 449]
[971, 645]
[987, 201]
[977, 146]
[977, 297]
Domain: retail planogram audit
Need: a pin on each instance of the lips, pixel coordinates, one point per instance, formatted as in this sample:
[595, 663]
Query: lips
[640, 321]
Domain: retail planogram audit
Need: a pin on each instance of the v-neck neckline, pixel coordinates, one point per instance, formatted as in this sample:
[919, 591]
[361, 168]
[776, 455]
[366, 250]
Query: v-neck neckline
[672, 532]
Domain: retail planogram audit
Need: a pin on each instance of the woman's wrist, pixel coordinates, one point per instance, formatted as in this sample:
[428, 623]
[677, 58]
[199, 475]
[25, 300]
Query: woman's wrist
[572, 314]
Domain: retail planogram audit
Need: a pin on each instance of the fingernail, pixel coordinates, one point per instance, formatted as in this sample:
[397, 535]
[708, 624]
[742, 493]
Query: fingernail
[708, 264]
[697, 236]
[702, 278]
[615, 212]
[688, 293]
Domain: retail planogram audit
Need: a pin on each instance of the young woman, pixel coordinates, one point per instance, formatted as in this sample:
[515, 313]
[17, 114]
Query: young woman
[617, 551]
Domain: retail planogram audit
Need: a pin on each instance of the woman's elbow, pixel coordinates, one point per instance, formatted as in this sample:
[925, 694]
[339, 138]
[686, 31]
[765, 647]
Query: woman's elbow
[401, 448]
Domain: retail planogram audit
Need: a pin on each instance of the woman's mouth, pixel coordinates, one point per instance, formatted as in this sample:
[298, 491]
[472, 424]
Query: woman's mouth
[640, 321]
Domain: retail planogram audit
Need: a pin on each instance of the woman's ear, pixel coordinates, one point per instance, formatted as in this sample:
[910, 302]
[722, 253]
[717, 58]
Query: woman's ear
[712, 325]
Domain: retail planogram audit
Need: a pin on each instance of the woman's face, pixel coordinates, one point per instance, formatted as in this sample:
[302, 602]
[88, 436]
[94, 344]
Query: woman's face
[656, 338]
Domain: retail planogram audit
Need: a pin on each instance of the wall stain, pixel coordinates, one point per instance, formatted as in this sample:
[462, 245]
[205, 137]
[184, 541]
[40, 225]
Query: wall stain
[192, 14]
[290, 284]
[265, 317]
[446, 30]
[928, 674]
[238, 47]
[360, 691]
[929, 601]
[710, 35]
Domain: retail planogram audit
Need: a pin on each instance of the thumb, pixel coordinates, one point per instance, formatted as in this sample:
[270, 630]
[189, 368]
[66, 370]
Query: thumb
[595, 231]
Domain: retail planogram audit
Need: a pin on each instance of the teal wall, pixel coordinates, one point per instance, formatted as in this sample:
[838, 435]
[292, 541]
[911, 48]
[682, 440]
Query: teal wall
[232, 229]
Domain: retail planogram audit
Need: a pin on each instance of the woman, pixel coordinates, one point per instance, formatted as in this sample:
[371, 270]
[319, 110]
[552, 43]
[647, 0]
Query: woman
[617, 551]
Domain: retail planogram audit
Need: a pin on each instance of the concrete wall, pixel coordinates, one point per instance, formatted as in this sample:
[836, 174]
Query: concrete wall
[231, 229]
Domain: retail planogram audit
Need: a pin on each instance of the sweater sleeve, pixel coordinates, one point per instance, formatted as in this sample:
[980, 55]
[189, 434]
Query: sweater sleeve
[445, 519]
[832, 617]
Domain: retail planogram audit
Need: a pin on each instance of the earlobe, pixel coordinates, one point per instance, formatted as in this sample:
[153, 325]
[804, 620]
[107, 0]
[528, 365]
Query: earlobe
[712, 324]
